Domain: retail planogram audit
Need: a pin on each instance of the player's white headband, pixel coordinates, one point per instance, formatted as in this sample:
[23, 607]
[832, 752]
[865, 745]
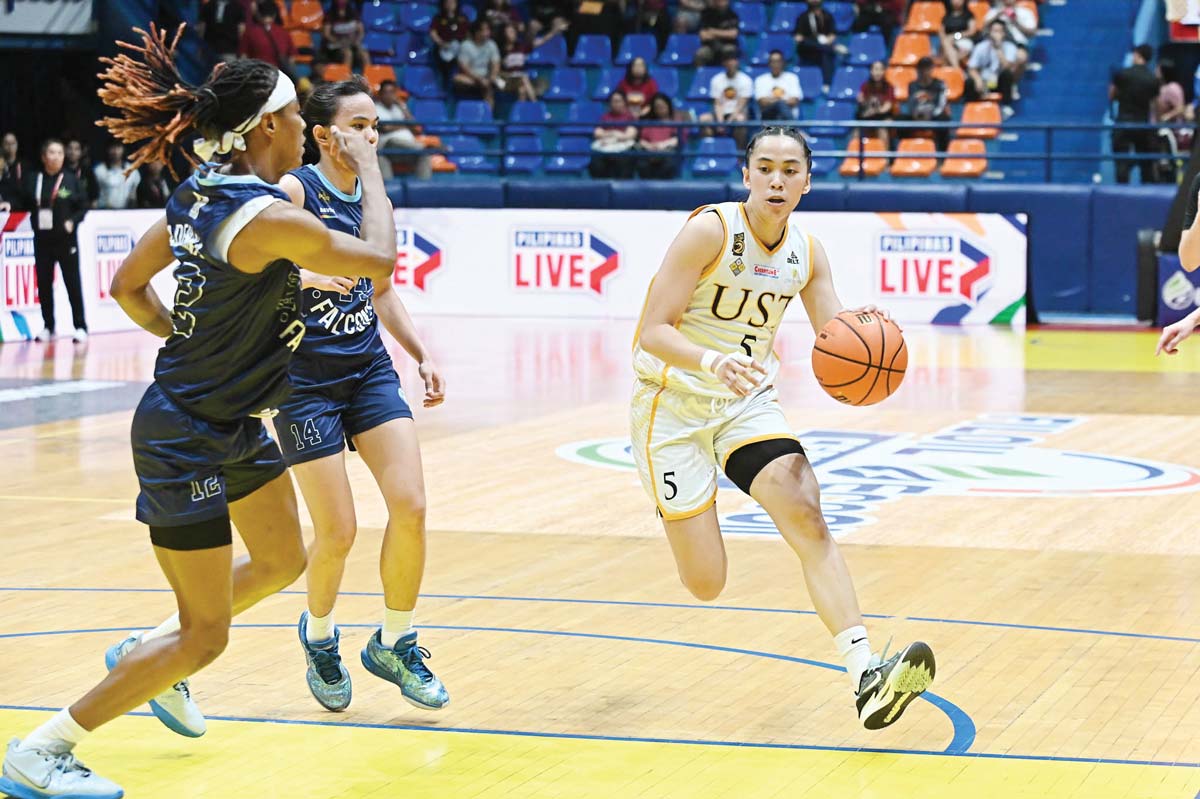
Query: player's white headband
[283, 93]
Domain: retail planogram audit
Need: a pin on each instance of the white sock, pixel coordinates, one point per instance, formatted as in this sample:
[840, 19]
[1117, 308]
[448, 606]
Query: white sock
[59, 734]
[169, 626]
[396, 623]
[319, 629]
[855, 649]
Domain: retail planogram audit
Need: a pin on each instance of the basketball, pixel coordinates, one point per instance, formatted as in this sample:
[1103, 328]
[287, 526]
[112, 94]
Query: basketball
[860, 358]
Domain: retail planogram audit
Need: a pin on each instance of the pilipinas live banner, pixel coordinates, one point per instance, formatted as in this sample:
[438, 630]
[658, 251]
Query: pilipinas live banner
[925, 268]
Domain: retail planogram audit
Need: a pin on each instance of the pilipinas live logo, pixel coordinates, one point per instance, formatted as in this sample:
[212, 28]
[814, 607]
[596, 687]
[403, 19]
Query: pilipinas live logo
[938, 266]
[416, 259]
[562, 260]
[112, 247]
[20, 273]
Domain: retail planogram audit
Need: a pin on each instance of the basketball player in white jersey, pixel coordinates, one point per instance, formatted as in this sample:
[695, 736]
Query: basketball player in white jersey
[704, 398]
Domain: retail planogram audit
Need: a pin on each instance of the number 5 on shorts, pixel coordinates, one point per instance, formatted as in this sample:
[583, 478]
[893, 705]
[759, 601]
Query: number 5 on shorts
[671, 485]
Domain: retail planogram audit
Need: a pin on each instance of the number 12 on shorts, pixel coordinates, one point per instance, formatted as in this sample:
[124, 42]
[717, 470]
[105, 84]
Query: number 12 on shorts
[311, 434]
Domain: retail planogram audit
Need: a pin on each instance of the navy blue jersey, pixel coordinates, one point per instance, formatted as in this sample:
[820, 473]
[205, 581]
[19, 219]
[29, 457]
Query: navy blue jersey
[233, 332]
[341, 335]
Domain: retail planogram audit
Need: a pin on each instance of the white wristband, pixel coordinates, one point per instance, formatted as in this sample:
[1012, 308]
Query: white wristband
[708, 362]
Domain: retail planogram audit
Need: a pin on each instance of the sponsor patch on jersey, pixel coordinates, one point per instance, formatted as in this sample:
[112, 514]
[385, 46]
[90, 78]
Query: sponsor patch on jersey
[739, 244]
[737, 267]
[792, 259]
[763, 270]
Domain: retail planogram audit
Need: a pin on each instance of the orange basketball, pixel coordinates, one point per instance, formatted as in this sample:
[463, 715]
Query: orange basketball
[860, 358]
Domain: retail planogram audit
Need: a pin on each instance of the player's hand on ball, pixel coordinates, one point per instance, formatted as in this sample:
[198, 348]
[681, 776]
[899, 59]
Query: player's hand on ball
[740, 372]
[354, 151]
[1173, 335]
[315, 280]
[877, 310]
[435, 386]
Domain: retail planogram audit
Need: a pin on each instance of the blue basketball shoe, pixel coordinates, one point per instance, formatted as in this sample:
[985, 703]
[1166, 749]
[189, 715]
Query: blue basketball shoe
[404, 665]
[327, 678]
[174, 707]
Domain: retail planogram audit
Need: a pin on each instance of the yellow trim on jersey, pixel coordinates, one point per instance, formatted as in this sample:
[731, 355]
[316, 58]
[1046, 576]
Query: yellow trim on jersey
[689, 514]
[649, 440]
[637, 332]
[755, 440]
[708, 270]
[811, 260]
[750, 227]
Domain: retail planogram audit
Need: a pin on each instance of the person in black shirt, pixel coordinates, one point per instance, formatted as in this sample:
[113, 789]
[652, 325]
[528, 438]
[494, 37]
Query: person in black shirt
[1134, 89]
[56, 204]
[12, 169]
[718, 34]
[221, 25]
[153, 191]
[80, 166]
[815, 37]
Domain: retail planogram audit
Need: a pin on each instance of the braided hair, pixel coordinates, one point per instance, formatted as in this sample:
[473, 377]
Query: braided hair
[158, 107]
[788, 131]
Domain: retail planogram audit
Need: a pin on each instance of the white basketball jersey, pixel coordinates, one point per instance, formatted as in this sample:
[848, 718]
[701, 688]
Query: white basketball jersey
[738, 303]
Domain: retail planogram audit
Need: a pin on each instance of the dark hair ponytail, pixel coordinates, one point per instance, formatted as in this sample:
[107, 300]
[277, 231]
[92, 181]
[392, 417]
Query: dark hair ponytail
[160, 108]
[321, 107]
[780, 130]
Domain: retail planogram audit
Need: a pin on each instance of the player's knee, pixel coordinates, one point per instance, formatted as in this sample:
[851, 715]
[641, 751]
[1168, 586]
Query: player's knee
[285, 567]
[805, 516]
[705, 585]
[338, 539]
[407, 504]
[204, 642]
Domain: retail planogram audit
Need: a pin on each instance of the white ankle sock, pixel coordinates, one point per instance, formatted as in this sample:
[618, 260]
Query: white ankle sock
[319, 629]
[169, 626]
[396, 623]
[855, 649]
[60, 734]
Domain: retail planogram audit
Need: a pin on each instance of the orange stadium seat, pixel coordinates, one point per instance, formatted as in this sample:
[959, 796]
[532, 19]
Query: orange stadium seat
[303, 42]
[953, 78]
[925, 16]
[871, 167]
[900, 77]
[910, 48]
[979, 8]
[440, 163]
[377, 74]
[910, 163]
[332, 73]
[306, 15]
[965, 167]
[981, 113]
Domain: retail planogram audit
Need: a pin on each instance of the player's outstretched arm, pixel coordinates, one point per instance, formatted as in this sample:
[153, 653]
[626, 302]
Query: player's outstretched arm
[697, 246]
[1189, 246]
[131, 288]
[818, 295]
[1174, 335]
[284, 231]
[399, 324]
[294, 189]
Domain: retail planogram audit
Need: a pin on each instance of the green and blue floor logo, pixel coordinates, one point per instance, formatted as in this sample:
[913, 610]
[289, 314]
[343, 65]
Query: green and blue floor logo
[1000, 455]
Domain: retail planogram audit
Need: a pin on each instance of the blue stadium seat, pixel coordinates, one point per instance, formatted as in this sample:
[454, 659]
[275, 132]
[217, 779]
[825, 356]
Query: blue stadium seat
[433, 116]
[680, 50]
[574, 153]
[566, 85]
[701, 82]
[379, 44]
[784, 18]
[825, 164]
[592, 50]
[417, 16]
[832, 111]
[419, 49]
[523, 155]
[715, 157]
[667, 80]
[843, 15]
[422, 82]
[609, 78]
[811, 81]
[584, 114]
[467, 153]
[866, 48]
[526, 111]
[475, 118]
[550, 54]
[381, 18]
[752, 18]
[847, 81]
[635, 45]
[469, 12]
[782, 42]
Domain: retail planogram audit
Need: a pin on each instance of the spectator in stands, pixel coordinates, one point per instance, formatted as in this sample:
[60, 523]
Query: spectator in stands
[153, 191]
[514, 52]
[448, 31]
[652, 17]
[877, 101]
[777, 92]
[599, 17]
[57, 205]
[342, 36]
[1171, 106]
[882, 14]
[394, 133]
[78, 164]
[638, 87]
[614, 135]
[499, 13]
[730, 91]
[12, 167]
[687, 15]
[1020, 26]
[221, 25]
[927, 103]
[266, 40]
[991, 67]
[547, 14]
[478, 64]
[957, 33]
[661, 140]
[816, 39]
[1134, 89]
[116, 188]
[718, 34]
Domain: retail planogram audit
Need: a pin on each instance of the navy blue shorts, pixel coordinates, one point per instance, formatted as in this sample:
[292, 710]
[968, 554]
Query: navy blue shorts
[190, 469]
[319, 421]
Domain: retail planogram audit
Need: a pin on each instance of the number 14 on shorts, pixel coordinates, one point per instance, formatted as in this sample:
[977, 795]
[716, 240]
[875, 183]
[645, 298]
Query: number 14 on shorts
[311, 434]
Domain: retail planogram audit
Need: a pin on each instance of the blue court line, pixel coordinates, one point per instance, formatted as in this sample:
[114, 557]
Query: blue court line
[682, 605]
[964, 727]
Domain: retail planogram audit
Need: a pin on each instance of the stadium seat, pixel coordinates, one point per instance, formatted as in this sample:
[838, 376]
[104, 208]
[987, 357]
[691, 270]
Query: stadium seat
[824, 164]
[847, 81]
[419, 49]
[910, 48]
[667, 79]
[523, 155]
[592, 50]
[609, 78]
[470, 13]
[584, 114]
[925, 16]
[303, 42]
[914, 160]
[381, 18]
[953, 78]
[843, 15]
[774, 41]
[680, 50]
[715, 157]
[378, 44]
[524, 111]
[871, 167]
[574, 153]
[811, 81]
[376, 74]
[474, 118]
[417, 17]
[966, 167]
[900, 77]
[552, 53]
[783, 20]
[867, 48]
[752, 18]
[832, 111]
[440, 164]
[423, 82]
[332, 73]
[567, 84]
[980, 9]
[306, 15]
[432, 116]
[701, 82]
[981, 113]
[636, 45]
[467, 153]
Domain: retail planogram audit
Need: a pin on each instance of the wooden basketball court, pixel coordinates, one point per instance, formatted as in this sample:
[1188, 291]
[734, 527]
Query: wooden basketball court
[1027, 504]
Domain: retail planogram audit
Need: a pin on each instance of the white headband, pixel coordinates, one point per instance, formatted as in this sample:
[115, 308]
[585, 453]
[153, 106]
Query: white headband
[283, 93]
